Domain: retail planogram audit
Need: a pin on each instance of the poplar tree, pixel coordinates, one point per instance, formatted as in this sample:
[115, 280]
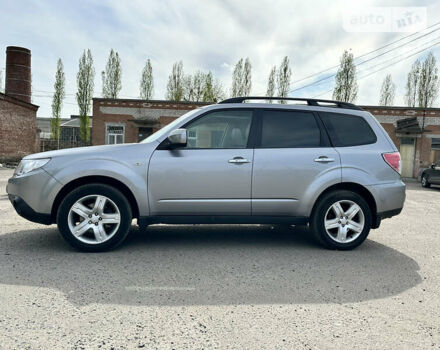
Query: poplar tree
[146, 89]
[387, 92]
[270, 92]
[57, 100]
[111, 77]
[428, 86]
[346, 88]
[175, 83]
[85, 81]
[283, 78]
[412, 84]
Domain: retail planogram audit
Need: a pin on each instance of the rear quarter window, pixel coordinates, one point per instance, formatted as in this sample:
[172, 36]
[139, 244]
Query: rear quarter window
[348, 130]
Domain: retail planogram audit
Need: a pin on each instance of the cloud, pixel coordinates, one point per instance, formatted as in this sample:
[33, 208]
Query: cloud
[207, 35]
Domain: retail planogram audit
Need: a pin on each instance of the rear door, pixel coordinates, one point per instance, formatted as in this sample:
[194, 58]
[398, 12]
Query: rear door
[292, 152]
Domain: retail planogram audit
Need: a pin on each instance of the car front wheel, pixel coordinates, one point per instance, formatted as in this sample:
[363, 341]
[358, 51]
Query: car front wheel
[94, 217]
[341, 220]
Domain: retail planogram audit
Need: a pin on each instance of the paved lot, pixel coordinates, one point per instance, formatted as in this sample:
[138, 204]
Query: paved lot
[197, 287]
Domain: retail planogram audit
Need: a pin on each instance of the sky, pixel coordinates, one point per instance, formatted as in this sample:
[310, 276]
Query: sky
[208, 35]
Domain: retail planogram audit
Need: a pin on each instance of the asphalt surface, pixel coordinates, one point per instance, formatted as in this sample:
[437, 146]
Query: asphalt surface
[223, 287]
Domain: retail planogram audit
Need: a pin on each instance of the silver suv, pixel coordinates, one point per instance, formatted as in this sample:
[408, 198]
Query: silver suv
[324, 163]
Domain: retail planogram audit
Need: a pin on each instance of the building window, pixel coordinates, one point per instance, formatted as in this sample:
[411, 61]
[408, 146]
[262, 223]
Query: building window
[144, 133]
[115, 134]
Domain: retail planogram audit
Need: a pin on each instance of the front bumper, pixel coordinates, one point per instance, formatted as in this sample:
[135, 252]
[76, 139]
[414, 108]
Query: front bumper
[25, 211]
[33, 194]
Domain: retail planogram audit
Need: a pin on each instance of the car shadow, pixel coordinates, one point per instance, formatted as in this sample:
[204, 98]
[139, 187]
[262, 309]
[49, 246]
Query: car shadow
[206, 265]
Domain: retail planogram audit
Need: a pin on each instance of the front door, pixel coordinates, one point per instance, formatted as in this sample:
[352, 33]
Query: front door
[211, 175]
[292, 153]
[407, 150]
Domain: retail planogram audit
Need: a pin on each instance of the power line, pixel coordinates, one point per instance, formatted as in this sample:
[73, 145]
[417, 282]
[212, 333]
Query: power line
[367, 53]
[358, 64]
[389, 65]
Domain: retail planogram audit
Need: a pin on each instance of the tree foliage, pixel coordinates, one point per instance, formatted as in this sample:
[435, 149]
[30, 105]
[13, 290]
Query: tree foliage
[85, 81]
[283, 78]
[387, 92]
[202, 87]
[271, 83]
[346, 87]
[412, 84]
[57, 100]
[242, 78]
[111, 77]
[175, 83]
[428, 86]
[146, 89]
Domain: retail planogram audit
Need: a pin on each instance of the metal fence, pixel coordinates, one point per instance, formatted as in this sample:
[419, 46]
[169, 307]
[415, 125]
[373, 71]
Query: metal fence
[50, 145]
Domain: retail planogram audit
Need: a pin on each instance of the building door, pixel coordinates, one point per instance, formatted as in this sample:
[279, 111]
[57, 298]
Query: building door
[407, 151]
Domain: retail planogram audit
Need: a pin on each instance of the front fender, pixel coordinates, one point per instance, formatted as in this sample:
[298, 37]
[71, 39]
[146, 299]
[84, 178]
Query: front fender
[131, 175]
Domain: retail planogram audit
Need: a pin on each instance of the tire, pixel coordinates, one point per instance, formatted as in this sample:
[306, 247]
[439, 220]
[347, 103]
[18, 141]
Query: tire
[100, 232]
[425, 181]
[356, 229]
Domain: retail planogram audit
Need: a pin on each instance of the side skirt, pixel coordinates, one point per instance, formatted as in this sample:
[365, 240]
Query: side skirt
[227, 219]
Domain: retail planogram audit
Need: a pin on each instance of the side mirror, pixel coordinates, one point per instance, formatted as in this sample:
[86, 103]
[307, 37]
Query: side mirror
[432, 166]
[177, 138]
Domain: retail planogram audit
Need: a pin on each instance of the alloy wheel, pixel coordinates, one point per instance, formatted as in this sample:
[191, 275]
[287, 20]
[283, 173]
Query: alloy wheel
[94, 219]
[344, 221]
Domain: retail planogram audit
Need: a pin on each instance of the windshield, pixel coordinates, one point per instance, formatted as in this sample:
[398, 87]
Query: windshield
[166, 129]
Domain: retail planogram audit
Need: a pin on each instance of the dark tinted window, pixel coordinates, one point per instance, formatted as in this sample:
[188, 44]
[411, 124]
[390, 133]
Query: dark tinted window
[348, 130]
[289, 129]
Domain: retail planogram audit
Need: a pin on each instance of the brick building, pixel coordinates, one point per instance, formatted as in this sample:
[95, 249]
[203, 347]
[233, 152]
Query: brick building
[18, 116]
[126, 121]
[415, 131]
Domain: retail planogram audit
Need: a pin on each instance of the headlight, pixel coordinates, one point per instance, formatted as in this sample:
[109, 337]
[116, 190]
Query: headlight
[27, 165]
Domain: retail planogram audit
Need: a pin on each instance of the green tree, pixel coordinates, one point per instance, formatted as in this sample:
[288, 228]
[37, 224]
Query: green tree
[57, 100]
[193, 86]
[346, 87]
[247, 78]
[270, 92]
[387, 92]
[237, 79]
[175, 83]
[283, 78]
[85, 81]
[428, 85]
[412, 84]
[146, 89]
[111, 77]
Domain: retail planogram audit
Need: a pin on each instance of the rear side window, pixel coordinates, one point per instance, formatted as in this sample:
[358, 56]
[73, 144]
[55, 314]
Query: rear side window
[289, 129]
[348, 130]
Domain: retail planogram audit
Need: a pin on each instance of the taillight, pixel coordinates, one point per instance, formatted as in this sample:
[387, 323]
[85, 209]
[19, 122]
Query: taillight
[393, 160]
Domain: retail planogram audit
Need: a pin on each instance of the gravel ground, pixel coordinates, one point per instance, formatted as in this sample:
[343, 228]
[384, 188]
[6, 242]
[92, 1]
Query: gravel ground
[208, 287]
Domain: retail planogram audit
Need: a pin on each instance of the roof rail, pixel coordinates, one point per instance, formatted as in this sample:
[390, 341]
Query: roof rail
[310, 101]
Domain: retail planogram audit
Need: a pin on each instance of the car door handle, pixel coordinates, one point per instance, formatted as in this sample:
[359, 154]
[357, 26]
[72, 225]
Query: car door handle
[324, 159]
[238, 160]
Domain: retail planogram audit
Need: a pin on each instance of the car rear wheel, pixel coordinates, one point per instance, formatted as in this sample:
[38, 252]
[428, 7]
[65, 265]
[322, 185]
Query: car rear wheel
[341, 220]
[425, 181]
[94, 217]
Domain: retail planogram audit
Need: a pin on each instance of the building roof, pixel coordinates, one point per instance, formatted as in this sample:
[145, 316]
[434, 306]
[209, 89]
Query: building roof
[74, 123]
[18, 102]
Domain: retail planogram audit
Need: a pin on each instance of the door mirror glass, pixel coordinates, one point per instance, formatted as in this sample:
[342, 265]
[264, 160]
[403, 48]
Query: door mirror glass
[177, 138]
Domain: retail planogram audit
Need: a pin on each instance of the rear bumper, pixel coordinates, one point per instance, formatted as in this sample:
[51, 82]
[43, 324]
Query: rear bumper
[25, 211]
[389, 197]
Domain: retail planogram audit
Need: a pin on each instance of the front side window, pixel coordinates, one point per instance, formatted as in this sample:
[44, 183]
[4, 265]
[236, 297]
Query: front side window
[289, 129]
[222, 129]
[348, 130]
[115, 134]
